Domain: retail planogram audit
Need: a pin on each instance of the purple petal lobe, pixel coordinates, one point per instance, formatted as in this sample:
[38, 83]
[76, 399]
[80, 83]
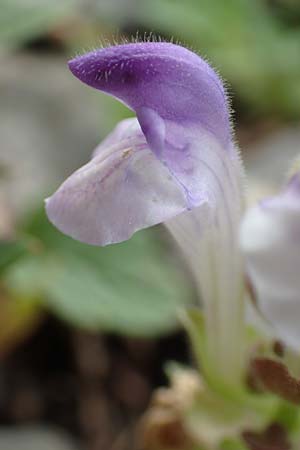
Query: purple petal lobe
[270, 239]
[122, 189]
[176, 95]
[169, 79]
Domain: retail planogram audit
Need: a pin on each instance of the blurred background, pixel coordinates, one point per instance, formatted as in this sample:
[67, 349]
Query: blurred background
[85, 333]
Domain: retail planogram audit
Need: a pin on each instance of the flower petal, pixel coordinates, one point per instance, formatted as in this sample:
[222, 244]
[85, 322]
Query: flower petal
[122, 189]
[270, 238]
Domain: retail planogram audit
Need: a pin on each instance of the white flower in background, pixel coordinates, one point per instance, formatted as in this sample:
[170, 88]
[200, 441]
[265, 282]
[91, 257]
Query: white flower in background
[270, 239]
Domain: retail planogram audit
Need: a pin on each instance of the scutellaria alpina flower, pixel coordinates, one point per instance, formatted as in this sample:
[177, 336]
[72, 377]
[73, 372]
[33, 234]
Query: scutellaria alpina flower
[175, 163]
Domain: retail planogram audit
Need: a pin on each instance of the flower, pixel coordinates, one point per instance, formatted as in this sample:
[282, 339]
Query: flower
[270, 238]
[181, 110]
[175, 163]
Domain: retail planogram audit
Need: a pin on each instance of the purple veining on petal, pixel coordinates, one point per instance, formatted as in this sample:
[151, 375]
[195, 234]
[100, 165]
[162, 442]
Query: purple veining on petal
[126, 129]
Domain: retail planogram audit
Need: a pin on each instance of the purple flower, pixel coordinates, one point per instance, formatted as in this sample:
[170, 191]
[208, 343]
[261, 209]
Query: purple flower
[150, 169]
[176, 163]
[270, 237]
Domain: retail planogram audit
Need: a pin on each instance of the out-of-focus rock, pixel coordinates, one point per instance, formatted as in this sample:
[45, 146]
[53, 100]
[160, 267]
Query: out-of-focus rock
[34, 438]
[49, 125]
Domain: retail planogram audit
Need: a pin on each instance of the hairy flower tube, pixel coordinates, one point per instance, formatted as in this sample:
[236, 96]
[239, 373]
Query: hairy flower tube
[175, 163]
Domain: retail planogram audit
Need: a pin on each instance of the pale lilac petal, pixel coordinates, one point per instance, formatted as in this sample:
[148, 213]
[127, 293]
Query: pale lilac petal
[123, 130]
[270, 238]
[122, 189]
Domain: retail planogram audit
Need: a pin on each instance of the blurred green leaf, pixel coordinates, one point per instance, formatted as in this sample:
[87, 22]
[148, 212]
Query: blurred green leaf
[23, 20]
[241, 38]
[132, 287]
[233, 444]
[10, 251]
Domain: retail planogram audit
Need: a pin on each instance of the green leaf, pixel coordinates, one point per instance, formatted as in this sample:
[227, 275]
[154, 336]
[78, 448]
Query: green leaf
[133, 287]
[23, 20]
[233, 444]
[11, 251]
